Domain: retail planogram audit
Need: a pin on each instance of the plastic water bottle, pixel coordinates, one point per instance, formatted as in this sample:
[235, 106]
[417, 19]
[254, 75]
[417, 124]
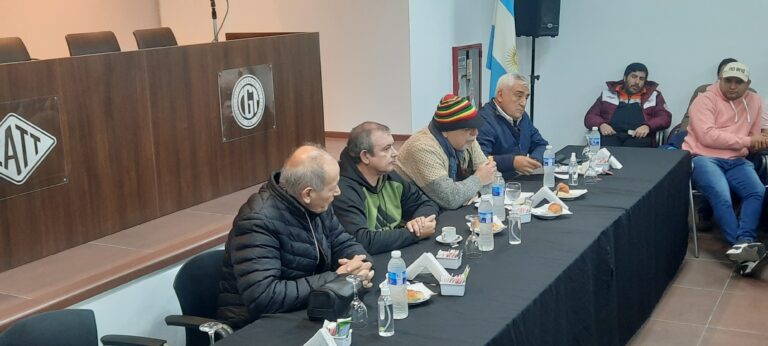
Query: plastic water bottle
[485, 210]
[497, 189]
[573, 171]
[594, 141]
[397, 285]
[386, 312]
[549, 168]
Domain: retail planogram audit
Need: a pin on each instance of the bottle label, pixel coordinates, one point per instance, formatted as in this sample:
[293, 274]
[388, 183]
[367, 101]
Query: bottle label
[394, 280]
[486, 217]
[549, 161]
[594, 141]
[497, 190]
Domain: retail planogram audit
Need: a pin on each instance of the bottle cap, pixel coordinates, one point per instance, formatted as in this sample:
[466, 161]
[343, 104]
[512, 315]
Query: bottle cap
[573, 156]
[594, 128]
[549, 147]
[396, 254]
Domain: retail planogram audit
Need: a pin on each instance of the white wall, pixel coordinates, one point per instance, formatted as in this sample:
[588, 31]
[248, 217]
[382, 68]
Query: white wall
[436, 26]
[139, 307]
[42, 24]
[363, 49]
[680, 41]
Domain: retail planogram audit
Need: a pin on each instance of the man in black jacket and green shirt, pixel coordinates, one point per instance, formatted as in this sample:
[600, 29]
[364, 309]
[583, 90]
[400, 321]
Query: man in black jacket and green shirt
[381, 209]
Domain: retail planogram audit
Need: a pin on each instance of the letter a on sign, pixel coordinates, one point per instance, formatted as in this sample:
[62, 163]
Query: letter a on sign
[23, 146]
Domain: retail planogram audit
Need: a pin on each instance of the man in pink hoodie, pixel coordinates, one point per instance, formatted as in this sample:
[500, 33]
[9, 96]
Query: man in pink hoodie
[724, 128]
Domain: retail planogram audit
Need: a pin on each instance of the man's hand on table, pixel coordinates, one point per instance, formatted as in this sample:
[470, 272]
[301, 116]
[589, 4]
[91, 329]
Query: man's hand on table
[422, 226]
[356, 266]
[525, 165]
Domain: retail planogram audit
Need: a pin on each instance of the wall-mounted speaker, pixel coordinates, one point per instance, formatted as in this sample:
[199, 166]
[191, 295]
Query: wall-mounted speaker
[537, 18]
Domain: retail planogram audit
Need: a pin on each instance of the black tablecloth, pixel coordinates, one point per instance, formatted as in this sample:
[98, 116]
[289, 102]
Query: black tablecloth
[590, 278]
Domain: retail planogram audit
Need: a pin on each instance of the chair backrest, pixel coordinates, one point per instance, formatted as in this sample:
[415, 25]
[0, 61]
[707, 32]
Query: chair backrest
[71, 327]
[92, 43]
[154, 38]
[12, 49]
[197, 284]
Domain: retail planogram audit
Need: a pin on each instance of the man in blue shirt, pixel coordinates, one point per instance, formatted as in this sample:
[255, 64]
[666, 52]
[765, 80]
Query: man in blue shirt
[508, 133]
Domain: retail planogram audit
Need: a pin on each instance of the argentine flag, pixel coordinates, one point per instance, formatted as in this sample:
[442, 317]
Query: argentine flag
[503, 57]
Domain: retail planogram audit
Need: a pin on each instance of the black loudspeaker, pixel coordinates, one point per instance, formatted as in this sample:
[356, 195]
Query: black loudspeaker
[537, 18]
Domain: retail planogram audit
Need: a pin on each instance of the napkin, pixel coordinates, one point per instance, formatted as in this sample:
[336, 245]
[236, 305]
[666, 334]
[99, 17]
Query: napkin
[321, 338]
[426, 261]
[546, 194]
[604, 156]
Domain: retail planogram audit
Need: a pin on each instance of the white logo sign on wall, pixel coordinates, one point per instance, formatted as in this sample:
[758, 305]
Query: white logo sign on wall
[248, 101]
[23, 146]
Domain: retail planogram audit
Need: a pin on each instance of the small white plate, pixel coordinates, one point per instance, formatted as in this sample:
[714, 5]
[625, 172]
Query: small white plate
[543, 213]
[520, 200]
[423, 289]
[574, 194]
[498, 226]
[455, 240]
[415, 287]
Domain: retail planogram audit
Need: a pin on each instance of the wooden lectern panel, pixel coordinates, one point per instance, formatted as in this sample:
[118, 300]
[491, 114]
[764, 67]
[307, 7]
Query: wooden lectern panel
[196, 165]
[141, 136]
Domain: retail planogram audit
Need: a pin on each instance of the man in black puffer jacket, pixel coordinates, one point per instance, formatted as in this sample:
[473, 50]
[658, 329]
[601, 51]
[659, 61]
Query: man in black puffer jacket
[286, 241]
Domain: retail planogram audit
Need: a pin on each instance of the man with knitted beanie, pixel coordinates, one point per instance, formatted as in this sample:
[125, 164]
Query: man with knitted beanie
[444, 159]
[724, 127]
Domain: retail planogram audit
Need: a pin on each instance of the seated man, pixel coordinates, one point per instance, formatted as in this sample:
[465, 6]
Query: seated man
[508, 133]
[381, 209]
[676, 138]
[630, 111]
[444, 159]
[286, 241]
[724, 127]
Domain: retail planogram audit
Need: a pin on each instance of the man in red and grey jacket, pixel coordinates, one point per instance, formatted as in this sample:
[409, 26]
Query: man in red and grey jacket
[630, 111]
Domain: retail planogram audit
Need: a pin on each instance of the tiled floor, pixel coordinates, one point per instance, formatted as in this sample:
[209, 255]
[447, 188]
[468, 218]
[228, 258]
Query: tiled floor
[707, 304]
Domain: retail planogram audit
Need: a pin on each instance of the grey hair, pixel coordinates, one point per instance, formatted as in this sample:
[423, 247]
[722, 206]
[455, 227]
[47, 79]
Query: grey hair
[309, 173]
[360, 139]
[510, 79]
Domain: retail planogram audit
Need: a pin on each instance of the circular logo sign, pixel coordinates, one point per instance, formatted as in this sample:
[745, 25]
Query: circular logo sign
[248, 101]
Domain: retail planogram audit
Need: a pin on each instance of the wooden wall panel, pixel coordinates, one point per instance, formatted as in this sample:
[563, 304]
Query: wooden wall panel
[112, 170]
[195, 165]
[25, 219]
[141, 136]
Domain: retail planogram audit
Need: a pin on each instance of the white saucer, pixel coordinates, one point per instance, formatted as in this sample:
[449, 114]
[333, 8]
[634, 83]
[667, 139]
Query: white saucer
[454, 241]
[575, 193]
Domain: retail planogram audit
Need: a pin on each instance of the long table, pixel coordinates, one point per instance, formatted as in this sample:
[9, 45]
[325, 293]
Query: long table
[591, 278]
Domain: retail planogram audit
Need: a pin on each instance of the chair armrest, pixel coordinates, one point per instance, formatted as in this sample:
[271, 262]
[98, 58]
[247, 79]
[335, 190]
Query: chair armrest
[127, 340]
[187, 321]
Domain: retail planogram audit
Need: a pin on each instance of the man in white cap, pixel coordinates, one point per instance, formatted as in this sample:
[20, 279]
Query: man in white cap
[725, 127]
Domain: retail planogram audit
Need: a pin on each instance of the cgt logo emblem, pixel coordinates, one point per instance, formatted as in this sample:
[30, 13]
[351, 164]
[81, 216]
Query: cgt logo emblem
[23, 146]
[248, 101]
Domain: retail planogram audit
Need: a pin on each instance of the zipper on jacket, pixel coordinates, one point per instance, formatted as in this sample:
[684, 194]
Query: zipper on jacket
[317, 248]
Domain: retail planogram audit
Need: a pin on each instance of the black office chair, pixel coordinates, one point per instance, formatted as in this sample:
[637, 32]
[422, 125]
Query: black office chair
[154, 38]
[92, 43]
[197, 288]
[12, 49]
[71, 327]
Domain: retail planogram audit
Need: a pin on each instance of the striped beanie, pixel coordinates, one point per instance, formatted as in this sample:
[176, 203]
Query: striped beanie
[455, 113]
